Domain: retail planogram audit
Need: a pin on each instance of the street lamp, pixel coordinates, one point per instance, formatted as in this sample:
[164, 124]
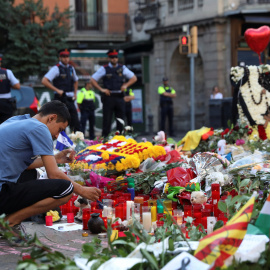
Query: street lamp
[139, 21]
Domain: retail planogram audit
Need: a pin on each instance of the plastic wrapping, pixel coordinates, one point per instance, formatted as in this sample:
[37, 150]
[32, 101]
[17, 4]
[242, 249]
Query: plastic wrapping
[151, 165]
[180, 176]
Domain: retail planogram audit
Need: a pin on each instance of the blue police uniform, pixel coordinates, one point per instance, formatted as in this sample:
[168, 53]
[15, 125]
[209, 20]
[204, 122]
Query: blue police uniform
[113, 79]
[7, 79]
[63, 77]
[166, 106]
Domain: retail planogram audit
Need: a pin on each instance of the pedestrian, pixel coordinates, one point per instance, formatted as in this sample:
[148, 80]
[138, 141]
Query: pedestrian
[114, 76]
[86, 104]
[62, 79]
[26, 144]
[7, 103]
[166, 93]
[216, 94]
[129, 95]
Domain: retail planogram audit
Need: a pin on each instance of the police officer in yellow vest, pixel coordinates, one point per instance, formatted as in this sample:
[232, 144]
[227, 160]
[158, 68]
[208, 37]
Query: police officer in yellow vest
[166, 94]
[86, 103]
[129, 95]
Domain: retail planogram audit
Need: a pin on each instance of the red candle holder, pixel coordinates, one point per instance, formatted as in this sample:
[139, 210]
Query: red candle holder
[197, 208]
[187, 211]
[105, 222]
[198, 218]
[206, 212]
[119, 211]
[85, 218]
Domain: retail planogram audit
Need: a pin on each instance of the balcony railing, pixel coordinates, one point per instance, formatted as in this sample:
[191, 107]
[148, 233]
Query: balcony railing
[185, 4]
[258, 1]
[106, 23]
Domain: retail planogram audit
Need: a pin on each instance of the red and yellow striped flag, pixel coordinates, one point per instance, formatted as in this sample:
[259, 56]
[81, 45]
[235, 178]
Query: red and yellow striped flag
[216, 247]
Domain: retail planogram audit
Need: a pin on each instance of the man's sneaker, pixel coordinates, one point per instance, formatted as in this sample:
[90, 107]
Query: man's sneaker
[21, 231]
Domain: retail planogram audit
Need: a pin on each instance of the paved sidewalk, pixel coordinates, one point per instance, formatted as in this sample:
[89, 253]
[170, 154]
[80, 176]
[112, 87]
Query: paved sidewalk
[68, 243]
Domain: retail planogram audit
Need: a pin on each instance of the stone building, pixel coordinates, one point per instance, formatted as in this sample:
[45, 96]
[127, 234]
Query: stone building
[221, 26]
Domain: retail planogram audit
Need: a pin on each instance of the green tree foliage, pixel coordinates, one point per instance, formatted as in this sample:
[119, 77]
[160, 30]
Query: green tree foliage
[34, 36]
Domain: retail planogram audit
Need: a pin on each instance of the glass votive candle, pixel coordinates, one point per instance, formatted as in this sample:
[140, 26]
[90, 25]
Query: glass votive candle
[204, 222]
[119, 211]
[146, 218]
[187, 211]
[49, 220]
[198, 218]
[152, 202]
[178, 216]
[206, 212]
[197, 208]
[85, 218]
[70, 217]
[159, 216]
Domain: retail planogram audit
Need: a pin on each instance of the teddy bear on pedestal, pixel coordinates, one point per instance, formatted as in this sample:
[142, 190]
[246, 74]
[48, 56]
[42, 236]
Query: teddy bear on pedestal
[81, 203]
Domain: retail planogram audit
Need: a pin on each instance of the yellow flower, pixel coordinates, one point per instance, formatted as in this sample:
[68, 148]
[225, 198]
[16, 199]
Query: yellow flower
[105, 155]
[255, 134]
[110, 166]
[131, 141]
[141, 156]
[119, 166]
[124, 162]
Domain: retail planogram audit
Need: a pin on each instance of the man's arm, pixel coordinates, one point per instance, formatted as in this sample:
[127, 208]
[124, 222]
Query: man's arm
[49, 85]
[97, 86]
[75, 89]
[16, 86]
[65, 156]
[166, 94]
[131, 81]
[53, 172]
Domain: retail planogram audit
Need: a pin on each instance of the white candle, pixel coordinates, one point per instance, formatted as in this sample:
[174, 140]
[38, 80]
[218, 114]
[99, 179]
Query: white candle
[147, 221]
[105, 211]
[130, 205]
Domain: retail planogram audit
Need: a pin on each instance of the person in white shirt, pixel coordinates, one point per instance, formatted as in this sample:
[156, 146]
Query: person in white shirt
[216, 94]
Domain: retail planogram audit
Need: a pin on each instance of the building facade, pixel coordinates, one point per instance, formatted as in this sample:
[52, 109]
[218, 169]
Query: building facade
[221, 26]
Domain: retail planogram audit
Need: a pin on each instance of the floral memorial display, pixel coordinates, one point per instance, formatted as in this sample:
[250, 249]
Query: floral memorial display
[202, 202]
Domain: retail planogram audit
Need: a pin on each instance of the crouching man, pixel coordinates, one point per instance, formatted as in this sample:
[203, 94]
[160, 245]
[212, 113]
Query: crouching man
[27, 143]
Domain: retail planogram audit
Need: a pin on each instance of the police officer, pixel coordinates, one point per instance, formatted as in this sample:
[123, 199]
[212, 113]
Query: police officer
[86, 104]
[114, 85]
[129, 95]
[166, 94]
[62, 79]
[7, 79]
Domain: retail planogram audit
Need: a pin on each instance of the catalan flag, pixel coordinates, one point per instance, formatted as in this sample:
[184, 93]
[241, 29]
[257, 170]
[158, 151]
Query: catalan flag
[216, 247]
[263, 220]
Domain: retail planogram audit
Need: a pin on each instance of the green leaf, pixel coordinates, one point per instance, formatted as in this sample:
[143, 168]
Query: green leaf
[218, 225]
[244, 183]
[171, 244]
[150, 258]
[222, 206]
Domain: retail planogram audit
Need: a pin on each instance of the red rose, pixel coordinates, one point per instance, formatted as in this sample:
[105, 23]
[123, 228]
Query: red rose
[262, 133]
[236, 128]
[246, 126]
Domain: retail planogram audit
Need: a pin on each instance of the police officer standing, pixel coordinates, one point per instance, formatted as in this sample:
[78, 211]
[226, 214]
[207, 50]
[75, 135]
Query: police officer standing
[166, 94]
[114, 85]
[86, 104]
[7, 79]
[62, 79]
[129, 95]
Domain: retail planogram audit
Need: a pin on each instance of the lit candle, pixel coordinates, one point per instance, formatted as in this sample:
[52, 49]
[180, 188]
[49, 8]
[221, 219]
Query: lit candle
[146, 217]
[130, 206]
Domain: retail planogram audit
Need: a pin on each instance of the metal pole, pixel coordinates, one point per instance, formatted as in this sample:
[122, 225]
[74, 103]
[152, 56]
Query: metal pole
[192, 96]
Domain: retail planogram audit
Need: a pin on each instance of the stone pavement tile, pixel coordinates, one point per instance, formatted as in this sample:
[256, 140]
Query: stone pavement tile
[68, 243]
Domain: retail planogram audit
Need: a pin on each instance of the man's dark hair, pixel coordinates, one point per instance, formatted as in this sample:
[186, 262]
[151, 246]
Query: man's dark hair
[56, 107]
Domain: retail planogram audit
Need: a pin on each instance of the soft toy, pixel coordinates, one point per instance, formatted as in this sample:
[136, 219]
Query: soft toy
[198, 197]
[81, 203]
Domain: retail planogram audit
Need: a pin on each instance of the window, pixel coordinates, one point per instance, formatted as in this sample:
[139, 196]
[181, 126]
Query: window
[185, 4]
[87, 14]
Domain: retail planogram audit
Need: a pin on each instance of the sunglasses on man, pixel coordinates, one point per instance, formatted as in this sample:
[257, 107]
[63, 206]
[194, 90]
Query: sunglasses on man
[113, 56]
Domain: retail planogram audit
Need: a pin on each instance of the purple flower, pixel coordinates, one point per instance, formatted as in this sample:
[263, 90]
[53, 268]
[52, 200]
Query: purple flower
[240, 142]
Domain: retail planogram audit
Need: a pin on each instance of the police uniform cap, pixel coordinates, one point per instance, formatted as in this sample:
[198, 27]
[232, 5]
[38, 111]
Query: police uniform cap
[165, 79]
[64, 52]
[112, 52]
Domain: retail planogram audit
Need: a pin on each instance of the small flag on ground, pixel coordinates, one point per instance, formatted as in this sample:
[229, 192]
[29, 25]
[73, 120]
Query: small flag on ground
[216, 247]
[263, 220]
[63, 141]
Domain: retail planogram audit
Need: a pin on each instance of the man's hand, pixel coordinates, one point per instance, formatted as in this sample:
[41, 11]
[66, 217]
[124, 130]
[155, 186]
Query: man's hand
[123, 87]
[65, 156]
[90, 193]
[106, 91]
[60, 93]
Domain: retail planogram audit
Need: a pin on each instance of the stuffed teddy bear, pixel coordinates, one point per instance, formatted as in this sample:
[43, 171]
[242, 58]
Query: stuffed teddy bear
[81, 203]
[198, 197]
